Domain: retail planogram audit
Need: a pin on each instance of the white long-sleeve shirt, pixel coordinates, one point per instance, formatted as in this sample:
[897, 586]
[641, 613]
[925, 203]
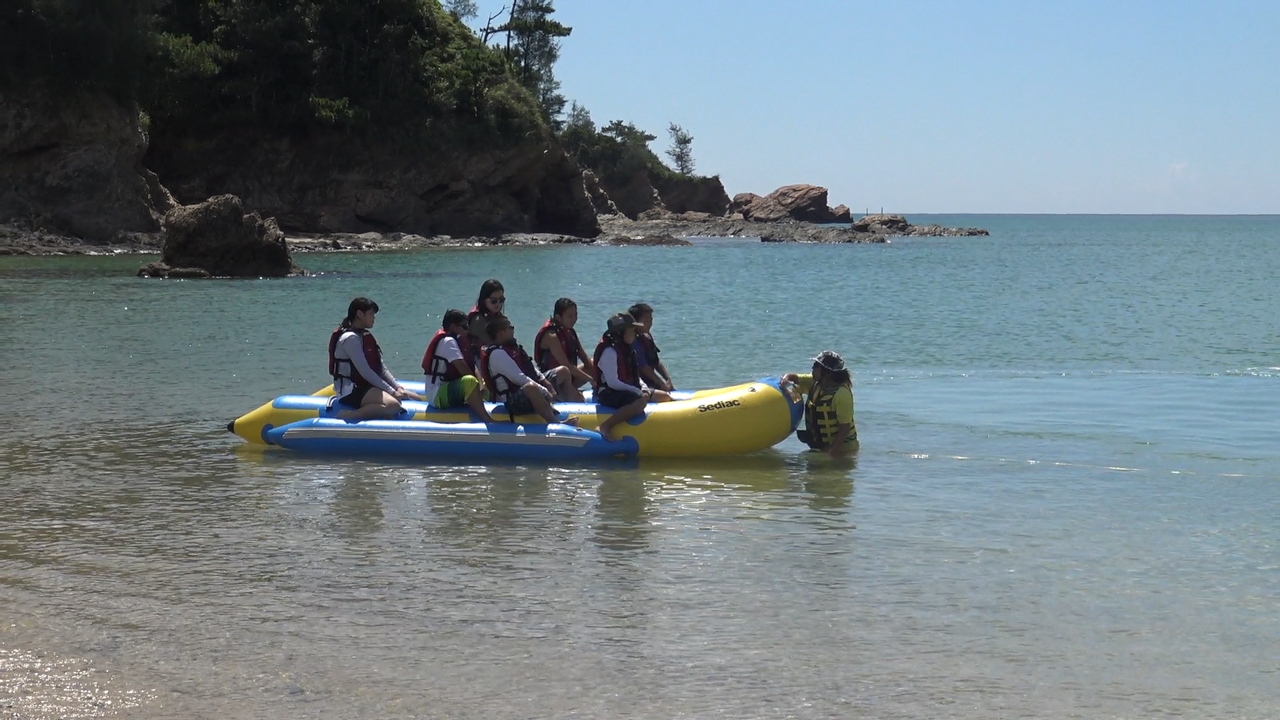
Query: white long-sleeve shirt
[351, 348]
[501, 363]
[609, 371]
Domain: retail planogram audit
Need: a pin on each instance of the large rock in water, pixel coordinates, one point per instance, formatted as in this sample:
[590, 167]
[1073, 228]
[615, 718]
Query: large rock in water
[331, 181]
[71, 163]
[883, 224]
[219, 238]
[807, 203]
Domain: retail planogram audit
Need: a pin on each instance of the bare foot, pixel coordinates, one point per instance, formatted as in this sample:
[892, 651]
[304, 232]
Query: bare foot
[571, 420]
[606, 433]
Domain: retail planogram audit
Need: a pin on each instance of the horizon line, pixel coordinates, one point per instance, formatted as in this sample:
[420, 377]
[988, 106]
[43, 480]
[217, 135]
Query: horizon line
[1077, 214]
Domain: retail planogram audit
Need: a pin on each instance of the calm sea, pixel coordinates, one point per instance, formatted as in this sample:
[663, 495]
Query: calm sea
[1067, 502]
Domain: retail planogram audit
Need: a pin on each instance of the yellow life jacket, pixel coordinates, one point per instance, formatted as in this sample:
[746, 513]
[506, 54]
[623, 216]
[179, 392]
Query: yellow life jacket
[820, 418]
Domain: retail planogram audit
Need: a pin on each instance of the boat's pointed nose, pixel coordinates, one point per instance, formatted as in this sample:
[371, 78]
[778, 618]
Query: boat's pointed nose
[231, 427]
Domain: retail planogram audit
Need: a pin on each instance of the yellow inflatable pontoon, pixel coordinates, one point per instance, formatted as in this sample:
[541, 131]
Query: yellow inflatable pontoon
[724, 421]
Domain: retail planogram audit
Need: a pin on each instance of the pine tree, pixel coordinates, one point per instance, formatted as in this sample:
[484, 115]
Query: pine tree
[462, 10]
[681, 151]
[533, 45]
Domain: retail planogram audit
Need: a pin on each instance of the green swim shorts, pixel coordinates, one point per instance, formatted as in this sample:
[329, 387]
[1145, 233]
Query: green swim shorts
[454, 393]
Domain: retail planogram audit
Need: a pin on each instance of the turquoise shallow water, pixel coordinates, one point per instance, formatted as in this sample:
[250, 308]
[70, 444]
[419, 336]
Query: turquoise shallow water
[1065, 504]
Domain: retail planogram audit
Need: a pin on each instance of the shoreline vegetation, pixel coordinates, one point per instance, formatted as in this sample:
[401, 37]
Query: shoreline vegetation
[215, 129]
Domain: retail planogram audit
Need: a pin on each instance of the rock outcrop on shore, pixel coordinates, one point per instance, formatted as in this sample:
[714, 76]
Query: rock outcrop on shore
[633, 195]
[682, 194]
[71, 167]
[642, 195]
[599, 198]
[897, 225]
[74, 182]
[697, 225]
[217, 238]
[805, 203]
[339, 183]
[72, 174]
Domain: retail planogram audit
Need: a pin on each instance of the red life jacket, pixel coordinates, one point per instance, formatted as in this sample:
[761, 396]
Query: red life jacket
[502, 386]
[628, 369]
[437, 368]
[344, 368]
[568, 339]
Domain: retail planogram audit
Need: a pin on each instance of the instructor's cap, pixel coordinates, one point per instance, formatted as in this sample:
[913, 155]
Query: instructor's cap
[620, 322]
[830, 360]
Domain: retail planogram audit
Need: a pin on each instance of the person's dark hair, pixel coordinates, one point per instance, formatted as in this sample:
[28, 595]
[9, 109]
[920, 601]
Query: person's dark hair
[489, 287]
[453, 316]
[562, 305]
[359, 304]
[639, 310]
[838, 377]
[497, 323]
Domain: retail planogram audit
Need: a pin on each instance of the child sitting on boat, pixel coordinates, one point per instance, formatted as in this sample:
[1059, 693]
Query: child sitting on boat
[651, 368]
[513, 379]
[450, 368]
[557, 345]
[617, 377]
[364, 386]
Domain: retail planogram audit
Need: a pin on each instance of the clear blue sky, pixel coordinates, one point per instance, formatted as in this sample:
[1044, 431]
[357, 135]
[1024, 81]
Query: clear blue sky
[1026, 106]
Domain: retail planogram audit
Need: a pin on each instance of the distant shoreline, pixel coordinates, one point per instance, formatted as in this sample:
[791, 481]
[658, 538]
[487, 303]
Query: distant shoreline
[615, 230]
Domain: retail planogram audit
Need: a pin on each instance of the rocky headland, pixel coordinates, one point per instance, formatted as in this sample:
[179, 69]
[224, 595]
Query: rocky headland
[229, 140]
[85, 177]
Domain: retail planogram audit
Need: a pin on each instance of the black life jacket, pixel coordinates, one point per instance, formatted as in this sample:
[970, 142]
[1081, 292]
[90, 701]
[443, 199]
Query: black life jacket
[568, 339]
[344, 368]
[502, 387]
[650, 349]
[628, 368]
[437, 368]
[477, 316]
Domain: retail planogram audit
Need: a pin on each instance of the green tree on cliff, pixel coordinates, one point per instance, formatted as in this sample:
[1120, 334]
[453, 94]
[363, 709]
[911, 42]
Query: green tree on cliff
[681, 150]
[533, 47]
[615, 152]
[290, 66]
[462, 9]
[579, 129]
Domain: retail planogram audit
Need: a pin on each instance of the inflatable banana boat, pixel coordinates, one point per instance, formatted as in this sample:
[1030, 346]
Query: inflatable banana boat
[724, 421]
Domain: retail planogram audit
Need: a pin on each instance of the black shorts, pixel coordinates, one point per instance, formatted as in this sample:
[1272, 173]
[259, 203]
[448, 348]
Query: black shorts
[814, 442]
[519, 404]
[355, 397]
[609, 397]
